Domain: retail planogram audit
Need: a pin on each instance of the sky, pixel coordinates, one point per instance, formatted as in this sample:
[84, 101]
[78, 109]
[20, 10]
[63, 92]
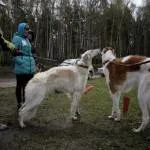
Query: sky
[138, 2]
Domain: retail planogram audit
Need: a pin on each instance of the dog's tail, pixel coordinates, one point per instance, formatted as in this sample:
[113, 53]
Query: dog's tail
[132, 67]
[136, 66]
[140, 63]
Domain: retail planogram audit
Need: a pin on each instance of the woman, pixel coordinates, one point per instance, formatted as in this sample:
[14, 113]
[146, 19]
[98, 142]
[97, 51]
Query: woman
[5, 46]
[24, 61]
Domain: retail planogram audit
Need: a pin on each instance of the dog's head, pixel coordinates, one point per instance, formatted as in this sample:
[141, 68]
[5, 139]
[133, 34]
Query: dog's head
[39, 67]
[87, 56]
[108, 54]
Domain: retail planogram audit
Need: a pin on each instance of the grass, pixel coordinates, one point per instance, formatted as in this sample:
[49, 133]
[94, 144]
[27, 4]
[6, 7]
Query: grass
[94, 131]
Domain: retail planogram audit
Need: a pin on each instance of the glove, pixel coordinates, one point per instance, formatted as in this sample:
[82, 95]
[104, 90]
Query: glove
[17, 52]
[1, 33]
[6, 45]
[10, 45]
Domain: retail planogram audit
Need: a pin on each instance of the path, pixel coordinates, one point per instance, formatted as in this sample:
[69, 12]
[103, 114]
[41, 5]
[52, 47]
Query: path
[8, 82]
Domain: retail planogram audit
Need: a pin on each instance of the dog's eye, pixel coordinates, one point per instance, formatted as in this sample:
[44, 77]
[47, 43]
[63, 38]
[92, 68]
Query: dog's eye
[105, 50]
[102, 53]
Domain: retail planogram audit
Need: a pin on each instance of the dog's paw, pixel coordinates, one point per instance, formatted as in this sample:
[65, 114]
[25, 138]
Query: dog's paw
[21, 123]
[136, 130]
[110, 117]
[117, 119]
[75, 118]
[78, 115]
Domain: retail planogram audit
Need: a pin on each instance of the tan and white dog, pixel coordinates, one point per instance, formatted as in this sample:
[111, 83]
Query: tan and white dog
[122, 74]
[68, 79]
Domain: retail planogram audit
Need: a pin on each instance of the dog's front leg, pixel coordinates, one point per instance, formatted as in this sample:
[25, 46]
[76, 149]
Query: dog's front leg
[115, 108]
[74, 114]
[70, 98]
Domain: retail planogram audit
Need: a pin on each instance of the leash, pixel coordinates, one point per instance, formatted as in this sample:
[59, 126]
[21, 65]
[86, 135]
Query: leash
[43, 58]
[141, 63]
[35, 56]
[130, 65]
[83, 66]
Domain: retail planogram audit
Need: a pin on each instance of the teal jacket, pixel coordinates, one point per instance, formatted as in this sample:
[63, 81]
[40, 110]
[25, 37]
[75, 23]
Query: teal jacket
[24, 63]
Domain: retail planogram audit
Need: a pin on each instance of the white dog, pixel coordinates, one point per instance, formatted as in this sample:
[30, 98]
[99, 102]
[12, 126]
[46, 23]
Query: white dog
[67, 79]
[124, 73]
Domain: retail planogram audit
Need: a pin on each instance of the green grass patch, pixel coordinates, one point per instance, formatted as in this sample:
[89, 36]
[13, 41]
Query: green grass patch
[93, 132]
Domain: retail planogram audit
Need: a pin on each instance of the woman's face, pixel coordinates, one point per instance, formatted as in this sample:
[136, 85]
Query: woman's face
[26, 31]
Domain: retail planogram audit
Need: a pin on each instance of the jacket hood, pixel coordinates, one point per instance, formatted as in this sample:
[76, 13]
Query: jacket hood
[21, 28]
[2, 3]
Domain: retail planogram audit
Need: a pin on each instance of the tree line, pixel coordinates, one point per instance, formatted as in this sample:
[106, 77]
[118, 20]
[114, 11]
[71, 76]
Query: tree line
[65, 28]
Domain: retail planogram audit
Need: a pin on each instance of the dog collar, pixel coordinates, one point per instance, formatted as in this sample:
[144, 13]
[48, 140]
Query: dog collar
[83, 66]
[106, 62]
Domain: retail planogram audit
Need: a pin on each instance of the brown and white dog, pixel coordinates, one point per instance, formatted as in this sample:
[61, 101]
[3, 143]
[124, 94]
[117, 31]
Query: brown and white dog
[67, 79]
[122, 74]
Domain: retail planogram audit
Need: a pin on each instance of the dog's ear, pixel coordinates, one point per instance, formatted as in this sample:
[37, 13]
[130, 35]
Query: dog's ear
[113, 50]
[105, 49]
[86, 57]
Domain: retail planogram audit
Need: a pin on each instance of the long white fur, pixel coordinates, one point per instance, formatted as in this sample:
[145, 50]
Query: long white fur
[139, 79]
[51, 80]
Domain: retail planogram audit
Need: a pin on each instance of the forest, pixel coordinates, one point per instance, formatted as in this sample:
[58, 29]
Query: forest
[65, 28]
